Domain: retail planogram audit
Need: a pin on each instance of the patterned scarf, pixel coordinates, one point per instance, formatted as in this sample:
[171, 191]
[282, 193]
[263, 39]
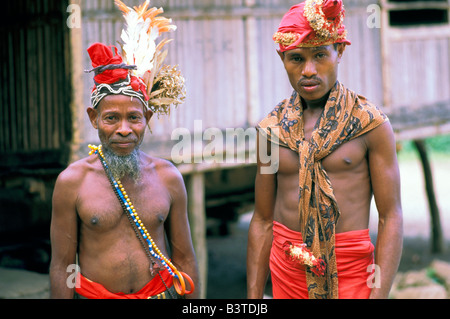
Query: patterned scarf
[345, 116]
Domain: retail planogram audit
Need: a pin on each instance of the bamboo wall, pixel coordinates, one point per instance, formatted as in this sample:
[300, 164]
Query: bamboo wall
[416, 71]
[35, 113]
[35, 93]
[234, 76]
[225, 51]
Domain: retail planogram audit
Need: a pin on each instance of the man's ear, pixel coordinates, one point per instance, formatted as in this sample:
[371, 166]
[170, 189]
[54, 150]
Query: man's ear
[93, 116]
[148, 115]
[340, 51]
[281, 55]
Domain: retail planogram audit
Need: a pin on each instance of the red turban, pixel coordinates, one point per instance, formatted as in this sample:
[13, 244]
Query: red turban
[112, 75]
[312, 23]
[101, 55]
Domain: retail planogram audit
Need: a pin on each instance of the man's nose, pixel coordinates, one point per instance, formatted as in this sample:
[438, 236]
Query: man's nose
[309, 69]
[124, 129]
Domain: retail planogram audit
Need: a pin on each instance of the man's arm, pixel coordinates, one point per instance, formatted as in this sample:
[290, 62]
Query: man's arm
[260, 234]
[178, 230]
[63, 235]
[385, 179]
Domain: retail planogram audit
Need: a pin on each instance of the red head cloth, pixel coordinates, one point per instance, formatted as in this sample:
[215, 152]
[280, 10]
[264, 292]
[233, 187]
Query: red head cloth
[101, 55]
[112, 75]
[312, 23]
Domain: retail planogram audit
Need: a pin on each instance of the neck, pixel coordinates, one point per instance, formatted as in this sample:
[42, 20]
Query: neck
[316, 104]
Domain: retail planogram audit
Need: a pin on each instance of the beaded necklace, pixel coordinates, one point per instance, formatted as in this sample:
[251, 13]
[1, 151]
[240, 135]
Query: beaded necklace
[126, 203]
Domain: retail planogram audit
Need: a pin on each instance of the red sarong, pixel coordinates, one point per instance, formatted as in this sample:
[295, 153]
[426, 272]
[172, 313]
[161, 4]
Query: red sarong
[93, 290]
[354, 254]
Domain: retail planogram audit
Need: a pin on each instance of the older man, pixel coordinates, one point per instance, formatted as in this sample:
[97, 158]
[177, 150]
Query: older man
[310, 225]
[120, 210]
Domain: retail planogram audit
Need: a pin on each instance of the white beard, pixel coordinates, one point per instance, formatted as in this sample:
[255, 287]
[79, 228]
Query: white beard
[120, 166]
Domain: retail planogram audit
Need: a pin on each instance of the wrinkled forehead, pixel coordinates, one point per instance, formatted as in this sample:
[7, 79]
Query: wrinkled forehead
[120, 102]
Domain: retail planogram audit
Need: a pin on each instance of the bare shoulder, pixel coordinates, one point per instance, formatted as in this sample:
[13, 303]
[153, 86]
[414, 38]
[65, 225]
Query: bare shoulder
[381, 136]
[68, 185]
[166, 171]
[73, 175]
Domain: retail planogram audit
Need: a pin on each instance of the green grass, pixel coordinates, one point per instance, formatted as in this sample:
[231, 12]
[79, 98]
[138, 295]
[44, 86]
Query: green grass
[438, 149]
[436, 144]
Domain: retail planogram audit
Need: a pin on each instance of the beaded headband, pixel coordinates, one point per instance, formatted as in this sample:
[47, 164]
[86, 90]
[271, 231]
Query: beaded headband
[124, 88]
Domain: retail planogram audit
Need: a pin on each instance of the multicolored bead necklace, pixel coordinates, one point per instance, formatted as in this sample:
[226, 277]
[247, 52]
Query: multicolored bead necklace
[152, 247]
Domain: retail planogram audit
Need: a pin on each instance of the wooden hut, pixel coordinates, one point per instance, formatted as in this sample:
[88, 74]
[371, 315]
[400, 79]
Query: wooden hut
[415, 52]
[35, 123]
[399, 59]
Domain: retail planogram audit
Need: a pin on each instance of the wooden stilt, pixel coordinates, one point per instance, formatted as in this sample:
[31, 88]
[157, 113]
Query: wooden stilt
[197, 220]
[437, 241]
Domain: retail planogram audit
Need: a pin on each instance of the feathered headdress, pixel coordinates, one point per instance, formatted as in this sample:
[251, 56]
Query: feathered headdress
[139, 70]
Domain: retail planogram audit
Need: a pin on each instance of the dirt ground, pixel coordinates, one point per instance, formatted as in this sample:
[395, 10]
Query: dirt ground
[227, 255]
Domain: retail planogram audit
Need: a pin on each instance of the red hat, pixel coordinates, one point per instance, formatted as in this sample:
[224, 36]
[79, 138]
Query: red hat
[102, 56]
[312, 23]
[112, 75]
[139, 71]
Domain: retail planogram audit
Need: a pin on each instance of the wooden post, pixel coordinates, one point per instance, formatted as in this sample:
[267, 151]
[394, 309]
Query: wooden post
[252, 73]
[437, 241]
[77, 105]
[385, 55]
[197, 220]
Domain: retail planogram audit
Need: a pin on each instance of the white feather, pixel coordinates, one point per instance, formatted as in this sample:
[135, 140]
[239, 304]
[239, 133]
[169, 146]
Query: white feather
[138, 46]
[145, 50]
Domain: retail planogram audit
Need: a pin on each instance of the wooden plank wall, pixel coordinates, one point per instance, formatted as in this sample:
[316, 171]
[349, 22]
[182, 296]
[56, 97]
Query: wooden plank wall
[419, 68]
[416, 72]
[225, 50]
[35, 93]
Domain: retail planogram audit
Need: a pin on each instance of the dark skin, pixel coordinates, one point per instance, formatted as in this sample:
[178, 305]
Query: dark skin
[87, 216]
[359, 169]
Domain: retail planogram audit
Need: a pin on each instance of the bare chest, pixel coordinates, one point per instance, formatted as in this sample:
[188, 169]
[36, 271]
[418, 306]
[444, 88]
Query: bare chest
[348, 157]
[99, 208]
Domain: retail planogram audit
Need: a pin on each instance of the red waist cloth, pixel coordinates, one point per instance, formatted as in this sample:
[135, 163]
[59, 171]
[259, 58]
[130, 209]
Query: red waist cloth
[354, 253]
[93, 290]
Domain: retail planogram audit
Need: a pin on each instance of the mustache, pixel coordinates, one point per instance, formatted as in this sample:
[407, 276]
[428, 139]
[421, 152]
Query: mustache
[309, 81]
